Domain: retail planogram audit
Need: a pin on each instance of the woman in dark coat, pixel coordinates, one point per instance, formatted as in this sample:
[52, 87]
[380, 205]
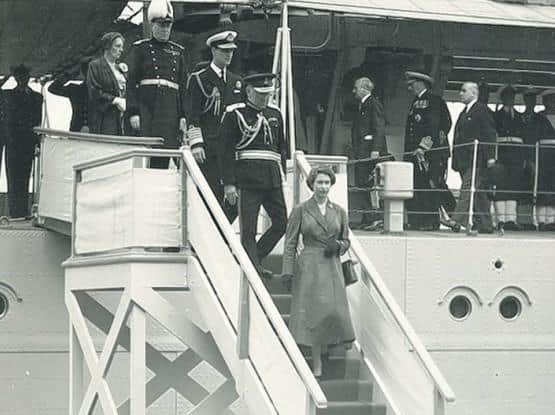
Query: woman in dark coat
[106, 84]
[319, 308]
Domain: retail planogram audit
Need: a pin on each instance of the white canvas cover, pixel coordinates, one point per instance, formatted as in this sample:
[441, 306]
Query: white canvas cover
[58, 156]
[137, 207]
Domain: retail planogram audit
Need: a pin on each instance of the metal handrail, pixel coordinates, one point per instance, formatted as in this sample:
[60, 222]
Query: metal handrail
[236, 247]
[389, 301]
[254, 281]
[100, 138]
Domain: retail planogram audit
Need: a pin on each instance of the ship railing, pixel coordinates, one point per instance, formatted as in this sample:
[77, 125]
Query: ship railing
[401, 366]
[527, 191]
[135, 208]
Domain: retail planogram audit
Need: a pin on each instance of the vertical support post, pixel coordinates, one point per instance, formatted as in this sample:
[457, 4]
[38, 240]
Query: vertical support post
[76, 360]
[146, 24]
[535, 195]
[76, 180]
[137, 361]
[439, 403]
[310, 405]
[244, 311]
[290, 95]
[472, 186]
[284, 63]
[277, 51]
[184, 204]
[296, 179]
[244, 319]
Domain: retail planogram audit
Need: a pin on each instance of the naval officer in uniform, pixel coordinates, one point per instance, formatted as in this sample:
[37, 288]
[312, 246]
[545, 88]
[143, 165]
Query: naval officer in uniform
[157, 81]
[428, 123]
[253, 154]
[210, 91]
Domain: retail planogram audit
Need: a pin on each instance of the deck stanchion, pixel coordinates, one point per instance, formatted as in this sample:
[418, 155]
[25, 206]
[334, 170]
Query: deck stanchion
[535, 195]
[470, 221]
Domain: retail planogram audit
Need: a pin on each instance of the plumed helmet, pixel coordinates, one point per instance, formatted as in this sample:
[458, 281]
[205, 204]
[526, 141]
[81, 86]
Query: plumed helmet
[160, 10]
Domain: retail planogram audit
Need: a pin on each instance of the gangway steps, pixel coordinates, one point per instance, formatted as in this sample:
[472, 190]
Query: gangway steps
[345, 381]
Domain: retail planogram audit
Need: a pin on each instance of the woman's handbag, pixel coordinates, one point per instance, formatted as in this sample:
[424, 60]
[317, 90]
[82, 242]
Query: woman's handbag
[349, 273]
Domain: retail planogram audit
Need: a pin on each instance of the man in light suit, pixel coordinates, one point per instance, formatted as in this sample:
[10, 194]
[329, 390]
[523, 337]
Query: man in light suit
[368, 141]
[474, 123]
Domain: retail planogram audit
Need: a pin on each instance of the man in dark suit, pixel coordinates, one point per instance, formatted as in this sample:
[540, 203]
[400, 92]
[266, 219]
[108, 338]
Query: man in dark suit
[211, 89]
[24, 111]
[428, 123]
[474, 123]
[253, 154]
[368, 141]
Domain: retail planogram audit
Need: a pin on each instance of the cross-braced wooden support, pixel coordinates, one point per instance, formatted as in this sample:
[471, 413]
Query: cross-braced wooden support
[140, 281]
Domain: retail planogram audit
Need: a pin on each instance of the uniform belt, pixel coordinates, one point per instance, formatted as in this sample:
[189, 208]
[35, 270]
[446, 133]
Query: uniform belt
[550, 141]
[160, 82]
[258, 155]
[515, 140]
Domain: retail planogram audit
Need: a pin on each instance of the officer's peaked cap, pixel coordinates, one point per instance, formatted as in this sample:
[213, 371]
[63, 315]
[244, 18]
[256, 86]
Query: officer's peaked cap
[223, 40]
[160, 10]
[262, 82]
[418, 76]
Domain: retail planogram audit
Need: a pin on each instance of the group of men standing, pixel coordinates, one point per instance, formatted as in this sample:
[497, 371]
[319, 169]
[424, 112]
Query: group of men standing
[236, 135]
[503, 167]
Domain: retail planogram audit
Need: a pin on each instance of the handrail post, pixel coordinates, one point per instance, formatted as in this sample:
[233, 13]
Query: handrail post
[184, 204]
[470, 221]
[535, 195]
[439, 402]
[244, 307]
[296, 179]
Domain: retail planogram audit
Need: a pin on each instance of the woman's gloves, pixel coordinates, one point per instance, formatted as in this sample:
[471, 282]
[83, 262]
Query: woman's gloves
[332, 249]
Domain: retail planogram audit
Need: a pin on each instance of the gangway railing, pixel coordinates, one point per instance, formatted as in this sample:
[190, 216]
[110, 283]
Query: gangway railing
[53, 170]
[219, 268]
[395, 355]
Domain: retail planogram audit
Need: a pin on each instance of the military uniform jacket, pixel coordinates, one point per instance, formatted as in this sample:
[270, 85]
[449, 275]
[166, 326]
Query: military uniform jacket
[428, 116]
[160, 106]
[369, 121]
[269, 138]
[209, 95]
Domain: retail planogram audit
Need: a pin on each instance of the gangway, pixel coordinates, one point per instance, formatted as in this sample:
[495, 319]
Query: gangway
[143, 234]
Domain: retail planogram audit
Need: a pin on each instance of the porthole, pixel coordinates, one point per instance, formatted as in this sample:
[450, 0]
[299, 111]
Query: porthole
[4, 305]
[460, 307]
[510, 307]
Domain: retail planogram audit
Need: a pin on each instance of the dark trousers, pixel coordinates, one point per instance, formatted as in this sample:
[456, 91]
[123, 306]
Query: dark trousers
[211, 173]
[19, 157]
[250, 201]
[360, 200]
[423, 208]
[481, 201]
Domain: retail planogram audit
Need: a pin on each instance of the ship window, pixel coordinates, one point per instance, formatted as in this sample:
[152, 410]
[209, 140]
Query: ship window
[4, 304]
[460, 307]
[510, 307]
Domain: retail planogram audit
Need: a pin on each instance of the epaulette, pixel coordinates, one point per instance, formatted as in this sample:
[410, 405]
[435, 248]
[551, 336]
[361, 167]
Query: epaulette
[176, 44]
[274, 107]
[138, 42]
[234, 107]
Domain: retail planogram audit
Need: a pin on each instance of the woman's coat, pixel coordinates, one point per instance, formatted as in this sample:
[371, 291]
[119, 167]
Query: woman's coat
[319, 308]
[104, 117]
